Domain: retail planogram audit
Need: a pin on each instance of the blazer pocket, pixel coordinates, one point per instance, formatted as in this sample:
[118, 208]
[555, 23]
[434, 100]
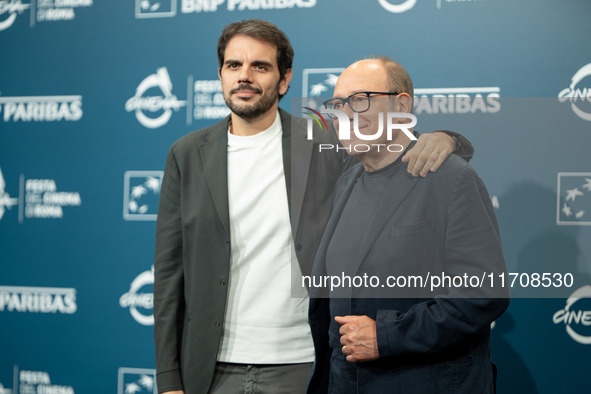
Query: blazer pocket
[413, 230]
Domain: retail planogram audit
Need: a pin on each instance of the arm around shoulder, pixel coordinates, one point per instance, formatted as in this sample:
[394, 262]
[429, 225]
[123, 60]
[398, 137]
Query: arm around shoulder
[432, 149]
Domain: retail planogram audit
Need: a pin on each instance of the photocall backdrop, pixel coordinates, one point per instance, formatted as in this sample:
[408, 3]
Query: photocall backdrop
[92, 94]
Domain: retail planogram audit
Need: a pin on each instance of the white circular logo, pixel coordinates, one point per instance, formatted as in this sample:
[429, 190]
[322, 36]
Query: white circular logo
[405, 6]
[12, 8]
[578, 95]
[154, 104]
[571, 317]
[134, 299]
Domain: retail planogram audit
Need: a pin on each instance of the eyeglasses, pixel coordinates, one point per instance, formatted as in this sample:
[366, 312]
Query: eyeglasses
[359, 102]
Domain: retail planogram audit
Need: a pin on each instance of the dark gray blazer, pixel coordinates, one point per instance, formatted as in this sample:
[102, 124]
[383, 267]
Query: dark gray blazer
[193, 241]
[442, 223]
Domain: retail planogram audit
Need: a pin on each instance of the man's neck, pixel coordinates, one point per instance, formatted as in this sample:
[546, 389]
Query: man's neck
[375, 160]
[247, 127]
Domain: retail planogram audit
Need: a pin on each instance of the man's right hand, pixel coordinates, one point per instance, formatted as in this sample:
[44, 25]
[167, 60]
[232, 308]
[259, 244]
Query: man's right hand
[174, 392]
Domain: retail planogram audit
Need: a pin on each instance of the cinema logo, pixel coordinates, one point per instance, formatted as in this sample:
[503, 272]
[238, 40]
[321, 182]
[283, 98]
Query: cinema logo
[41, 108]
[9, 10]
[37, 299]
[397, 7]
[577, 94]
[344, 130]
[576, 315]
[140, 298]
[469, 100]
[154, 103]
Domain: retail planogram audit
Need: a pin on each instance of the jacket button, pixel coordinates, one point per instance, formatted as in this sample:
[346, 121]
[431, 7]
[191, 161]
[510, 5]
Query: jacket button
[222, 282]
[217, 324]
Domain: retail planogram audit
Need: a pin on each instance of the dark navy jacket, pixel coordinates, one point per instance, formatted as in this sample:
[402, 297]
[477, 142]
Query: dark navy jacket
[440, 344]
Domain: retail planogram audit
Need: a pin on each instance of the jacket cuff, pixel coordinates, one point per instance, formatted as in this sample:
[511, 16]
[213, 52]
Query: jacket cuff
[464, 148]
[169, 381]
[384, 318]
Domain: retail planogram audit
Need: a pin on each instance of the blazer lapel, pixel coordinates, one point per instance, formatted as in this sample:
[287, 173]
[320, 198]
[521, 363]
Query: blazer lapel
[319, 267]
[297, 156]
[340, 202]
[214, 154]
[396, 191]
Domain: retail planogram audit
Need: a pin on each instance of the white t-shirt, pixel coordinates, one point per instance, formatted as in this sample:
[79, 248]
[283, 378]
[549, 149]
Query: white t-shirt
[263, 323]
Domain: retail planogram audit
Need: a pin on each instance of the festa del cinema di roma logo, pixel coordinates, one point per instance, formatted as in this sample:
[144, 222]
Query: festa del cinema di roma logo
[344, 132]
[160, 108]
[578, 95]
[576, 319]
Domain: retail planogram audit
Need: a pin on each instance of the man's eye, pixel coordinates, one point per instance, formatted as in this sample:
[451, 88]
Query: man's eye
[260, 67]
[337, 105]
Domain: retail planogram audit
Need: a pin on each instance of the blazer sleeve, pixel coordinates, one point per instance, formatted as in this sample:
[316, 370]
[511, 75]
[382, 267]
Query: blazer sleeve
[472, 246]
[464, 147]
[169, 303]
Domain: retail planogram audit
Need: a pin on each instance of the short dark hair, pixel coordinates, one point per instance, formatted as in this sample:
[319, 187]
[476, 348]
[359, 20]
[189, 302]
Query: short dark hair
[263, 31]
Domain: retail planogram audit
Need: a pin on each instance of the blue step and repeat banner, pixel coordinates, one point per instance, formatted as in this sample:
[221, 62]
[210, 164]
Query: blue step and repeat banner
[92, 94]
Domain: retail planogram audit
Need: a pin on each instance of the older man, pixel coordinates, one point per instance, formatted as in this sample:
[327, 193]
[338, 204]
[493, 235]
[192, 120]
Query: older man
[224, 318]
[375, 338]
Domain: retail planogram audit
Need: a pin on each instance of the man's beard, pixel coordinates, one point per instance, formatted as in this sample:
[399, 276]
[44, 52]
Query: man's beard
[252, 111]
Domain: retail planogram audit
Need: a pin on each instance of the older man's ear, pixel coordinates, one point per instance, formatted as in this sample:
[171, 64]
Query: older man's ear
[404, 102]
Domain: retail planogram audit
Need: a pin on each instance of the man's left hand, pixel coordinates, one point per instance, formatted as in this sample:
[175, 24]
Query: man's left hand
[429, 153]
[358, 337]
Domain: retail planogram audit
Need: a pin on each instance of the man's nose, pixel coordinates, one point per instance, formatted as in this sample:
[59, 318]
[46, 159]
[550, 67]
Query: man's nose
[245, 75]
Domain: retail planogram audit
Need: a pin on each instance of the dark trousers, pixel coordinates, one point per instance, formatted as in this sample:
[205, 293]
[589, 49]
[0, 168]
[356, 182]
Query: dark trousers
[232, 378]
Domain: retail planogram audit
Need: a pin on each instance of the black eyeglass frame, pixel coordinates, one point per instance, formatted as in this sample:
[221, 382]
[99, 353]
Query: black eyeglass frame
[346, 100]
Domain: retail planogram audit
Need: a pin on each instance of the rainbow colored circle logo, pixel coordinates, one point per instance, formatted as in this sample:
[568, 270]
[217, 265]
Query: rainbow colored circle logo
[317, 117]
